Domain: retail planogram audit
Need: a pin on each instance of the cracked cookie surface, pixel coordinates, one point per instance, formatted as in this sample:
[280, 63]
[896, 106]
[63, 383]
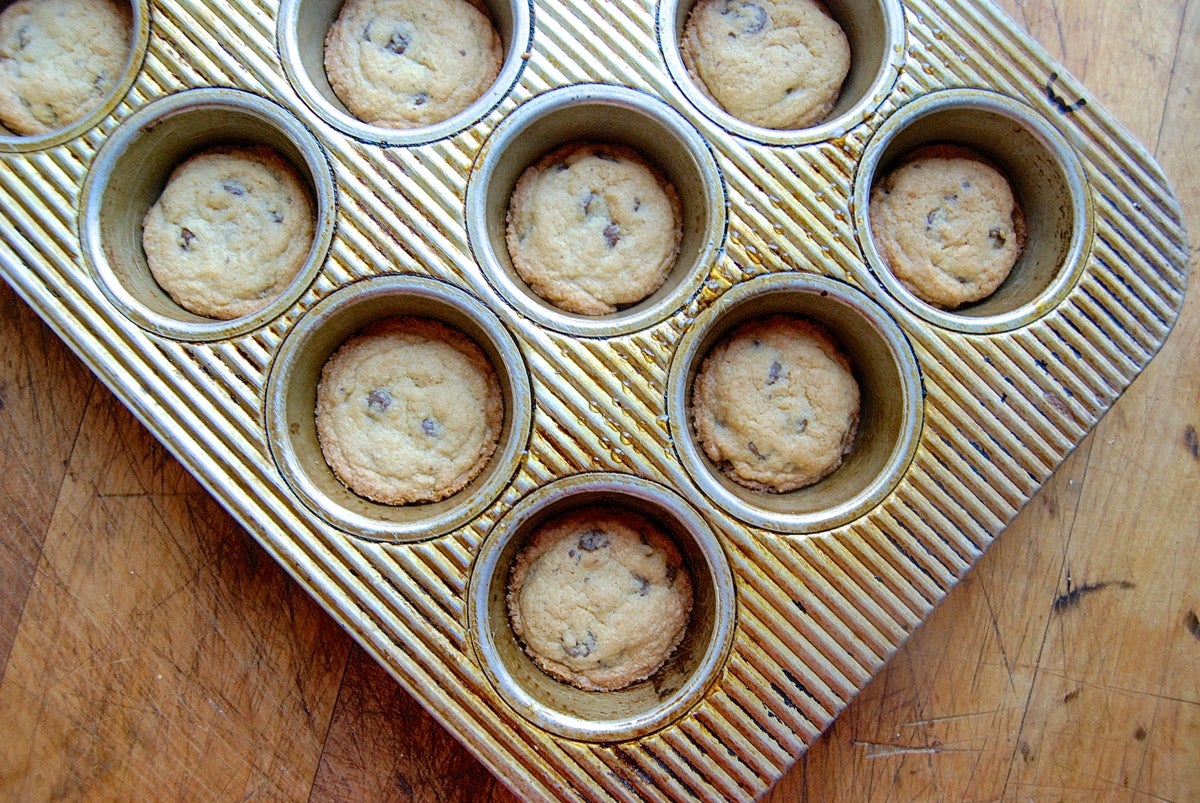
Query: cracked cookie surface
[409, 63]
[232, 228]
[59, 59]
[946, 224]
[777, 64]
[775, 404]
[592, 228]
[599, 598]
[409, 410]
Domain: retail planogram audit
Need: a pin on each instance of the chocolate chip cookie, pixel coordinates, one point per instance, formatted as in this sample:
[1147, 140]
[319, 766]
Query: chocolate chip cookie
[777, 64]
[59, 59]
[593, 228]
[408, 411]
[599, 598]
[775, 404]
[230, 231]
[409, 63]
[947, 225]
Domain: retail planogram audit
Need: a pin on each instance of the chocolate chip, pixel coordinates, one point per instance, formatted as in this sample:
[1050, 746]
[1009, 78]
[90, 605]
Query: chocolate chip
[588, 200]
[802, 425]
[379, 400]
[420, 99]
[234, 188]
[397, 43]
[643, 585]
[997, 237]
[186, 236]
[559, 167]
[432, 427]
[754, 450]
[604, 156]
[773, 372]
[748, 18]
[612, 235]
[24, 37]
[276, 216]
[593, 540]
[582, 649]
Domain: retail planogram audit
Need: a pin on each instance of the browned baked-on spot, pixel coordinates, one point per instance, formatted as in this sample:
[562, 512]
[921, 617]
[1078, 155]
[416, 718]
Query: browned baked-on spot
[1192, 623]
[1192, 441]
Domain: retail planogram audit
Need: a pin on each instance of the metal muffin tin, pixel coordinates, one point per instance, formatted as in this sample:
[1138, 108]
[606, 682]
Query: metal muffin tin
[800, 597]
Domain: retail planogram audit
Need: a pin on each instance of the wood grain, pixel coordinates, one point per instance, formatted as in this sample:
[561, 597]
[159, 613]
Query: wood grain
[150, 649]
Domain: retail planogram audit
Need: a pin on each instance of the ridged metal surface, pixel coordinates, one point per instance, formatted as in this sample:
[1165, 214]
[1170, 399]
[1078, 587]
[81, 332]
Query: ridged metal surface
[817, 614]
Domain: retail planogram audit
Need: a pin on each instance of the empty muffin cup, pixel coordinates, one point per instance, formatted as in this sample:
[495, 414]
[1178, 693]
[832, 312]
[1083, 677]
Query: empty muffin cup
[42, 106]
[605, 116]
[890, 402]
[291, 405]
[301, 33]
[634, 710]
[874, 32]
[132, 168]
[1047, 182]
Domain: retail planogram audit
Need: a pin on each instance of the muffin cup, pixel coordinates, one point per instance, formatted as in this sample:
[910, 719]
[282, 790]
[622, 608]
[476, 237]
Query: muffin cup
[139, 38]
[292, 392]
[610, 115]
[301, 33]
[644, 707]
[875, 31]
[890, 408]
[129, 174]
[1048, 183]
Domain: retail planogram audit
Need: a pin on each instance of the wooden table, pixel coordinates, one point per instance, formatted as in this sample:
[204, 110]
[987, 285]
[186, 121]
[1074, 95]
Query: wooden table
[150, 649]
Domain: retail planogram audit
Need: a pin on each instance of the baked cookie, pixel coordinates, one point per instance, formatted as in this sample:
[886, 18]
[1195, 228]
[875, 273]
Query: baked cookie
[947, 225]
[772, 63]
[592, 228]
[775, 404]
[599, 598]
[409, 410]
[232, 228]
[408, 63]
[59, 59]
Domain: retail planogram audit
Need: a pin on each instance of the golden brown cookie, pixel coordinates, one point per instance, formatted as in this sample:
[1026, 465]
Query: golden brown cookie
[772, 63]
[408, 63]
[593, 228]
[946, 224]
[408, 411]
[775, 404]
[599, 598]
[59, 59]
[230, 231]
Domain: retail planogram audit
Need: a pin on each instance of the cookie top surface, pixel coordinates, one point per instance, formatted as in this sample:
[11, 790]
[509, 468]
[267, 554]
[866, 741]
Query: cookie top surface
[59, 59]
[773, 63]
[948, 227]
[775, 404]
[232, 228]
[408, 411]
[600, 598]
[592, 228]
[409, 63]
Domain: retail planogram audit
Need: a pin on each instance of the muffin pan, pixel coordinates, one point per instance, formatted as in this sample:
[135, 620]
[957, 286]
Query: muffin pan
[799, 597]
